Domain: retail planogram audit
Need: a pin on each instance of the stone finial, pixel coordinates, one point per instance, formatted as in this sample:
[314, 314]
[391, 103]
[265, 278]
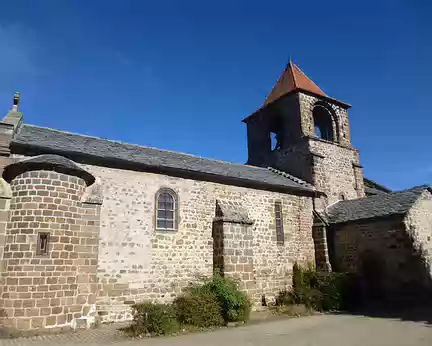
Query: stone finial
[16, 101]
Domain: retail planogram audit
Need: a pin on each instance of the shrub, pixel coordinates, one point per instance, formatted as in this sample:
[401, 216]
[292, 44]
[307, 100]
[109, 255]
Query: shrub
[310, 297]
[295, 310]
[319, 291]
[305, 277]
[152, 319]
[235, 304]
[341, 291]
[199, 307]
[285, 298]
[334, 287]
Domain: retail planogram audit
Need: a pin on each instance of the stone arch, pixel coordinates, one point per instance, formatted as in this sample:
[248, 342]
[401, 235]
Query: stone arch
[325, 120]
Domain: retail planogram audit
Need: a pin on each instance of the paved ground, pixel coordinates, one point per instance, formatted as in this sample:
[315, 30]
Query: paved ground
[323, 330]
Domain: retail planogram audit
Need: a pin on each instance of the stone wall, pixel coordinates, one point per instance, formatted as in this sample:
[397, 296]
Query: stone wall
[296, 160]
[353, 239]
[419, 223]
[283, 116]
[382, 252]
[322, 261]
[341, 129]
[138, 263]
[333, 170]
[53, 289]
[235, 253]
[330, 167]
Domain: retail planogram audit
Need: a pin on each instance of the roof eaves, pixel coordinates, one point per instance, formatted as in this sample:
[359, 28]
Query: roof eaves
[267, 105]
[406, 198]
[117, 162]
[374, 217]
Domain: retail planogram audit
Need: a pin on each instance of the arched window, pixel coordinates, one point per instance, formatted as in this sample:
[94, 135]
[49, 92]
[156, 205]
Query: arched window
[323, 123]
[166, 210]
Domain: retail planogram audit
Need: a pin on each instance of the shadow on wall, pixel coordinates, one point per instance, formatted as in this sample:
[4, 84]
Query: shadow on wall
[393, 286]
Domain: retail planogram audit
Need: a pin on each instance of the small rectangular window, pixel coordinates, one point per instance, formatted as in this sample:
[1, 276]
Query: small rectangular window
[42, 244]
[280, 236]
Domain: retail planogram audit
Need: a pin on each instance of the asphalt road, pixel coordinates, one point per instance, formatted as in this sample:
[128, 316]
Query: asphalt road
[322, 330]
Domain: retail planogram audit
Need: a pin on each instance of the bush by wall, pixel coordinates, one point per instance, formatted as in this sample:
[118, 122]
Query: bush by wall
[212, 303]
[152, 319]
[319, 291]
[235, 304]
[336, 289]
[199, 307]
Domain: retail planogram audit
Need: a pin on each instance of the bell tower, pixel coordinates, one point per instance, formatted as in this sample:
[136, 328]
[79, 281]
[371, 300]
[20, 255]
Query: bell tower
[302, 131]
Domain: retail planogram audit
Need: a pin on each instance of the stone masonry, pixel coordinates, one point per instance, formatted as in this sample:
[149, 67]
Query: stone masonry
[138, 263]
[48, 290]
[392, 254]
[418, 222]
[333, 167]
[233, 249]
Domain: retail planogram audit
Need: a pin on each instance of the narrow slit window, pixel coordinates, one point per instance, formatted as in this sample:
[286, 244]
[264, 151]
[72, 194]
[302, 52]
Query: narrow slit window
[43, 244]
[280, 236]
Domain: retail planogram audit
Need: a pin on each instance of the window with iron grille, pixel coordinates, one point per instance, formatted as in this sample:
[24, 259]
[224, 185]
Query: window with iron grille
[280, 237]
[166, 210]
[42, 244]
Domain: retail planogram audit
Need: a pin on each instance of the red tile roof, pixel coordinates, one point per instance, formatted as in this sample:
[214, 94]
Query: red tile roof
[292, 79]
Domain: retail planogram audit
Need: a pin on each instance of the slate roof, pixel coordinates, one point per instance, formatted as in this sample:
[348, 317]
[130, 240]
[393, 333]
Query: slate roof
[370, 191]
[373, 188]
[393, 203]
[34, 140]
[50, 162]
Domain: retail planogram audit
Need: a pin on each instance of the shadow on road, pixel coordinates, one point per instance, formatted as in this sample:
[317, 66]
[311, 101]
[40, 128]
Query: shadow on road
[413, 313]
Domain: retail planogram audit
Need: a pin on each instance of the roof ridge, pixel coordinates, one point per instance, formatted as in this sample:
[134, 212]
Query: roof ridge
[136, 145]
[293, 75]
[291, 177]
[393, 203]
[299, 70]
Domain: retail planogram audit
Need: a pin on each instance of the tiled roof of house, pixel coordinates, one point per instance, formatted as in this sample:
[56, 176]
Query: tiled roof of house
[292, 79]
[375, 206]
[34, 140]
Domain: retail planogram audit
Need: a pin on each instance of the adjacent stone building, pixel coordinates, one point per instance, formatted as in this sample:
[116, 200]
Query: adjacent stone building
[387, 239]
[89, 226]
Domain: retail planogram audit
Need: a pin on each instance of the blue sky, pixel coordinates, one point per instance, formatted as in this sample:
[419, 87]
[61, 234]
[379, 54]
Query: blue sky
[181, 75]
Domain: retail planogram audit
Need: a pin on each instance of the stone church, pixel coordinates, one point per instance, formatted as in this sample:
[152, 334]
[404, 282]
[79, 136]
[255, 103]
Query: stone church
[89, 226]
